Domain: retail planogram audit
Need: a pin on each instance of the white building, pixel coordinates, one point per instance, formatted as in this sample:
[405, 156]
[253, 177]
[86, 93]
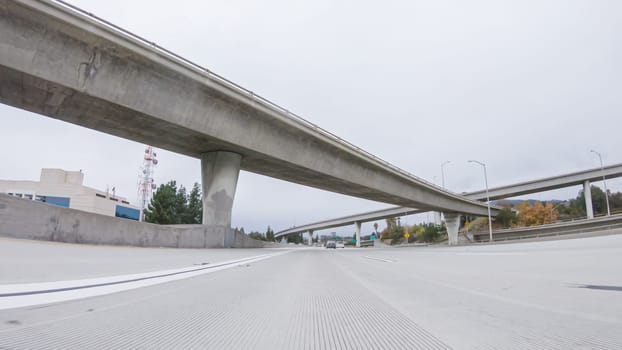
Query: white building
[66, 189]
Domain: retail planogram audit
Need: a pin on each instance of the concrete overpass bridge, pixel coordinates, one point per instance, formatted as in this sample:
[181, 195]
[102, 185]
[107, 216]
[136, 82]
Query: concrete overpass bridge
[584, 177]
[61, 62]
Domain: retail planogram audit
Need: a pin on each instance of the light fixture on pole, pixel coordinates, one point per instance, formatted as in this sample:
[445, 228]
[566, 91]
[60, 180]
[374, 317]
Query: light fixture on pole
[487, 197]
[443, 172]
[602, 170]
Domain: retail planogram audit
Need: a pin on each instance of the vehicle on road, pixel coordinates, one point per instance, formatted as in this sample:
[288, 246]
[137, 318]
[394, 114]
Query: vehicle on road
[331, 244]
[340, 245]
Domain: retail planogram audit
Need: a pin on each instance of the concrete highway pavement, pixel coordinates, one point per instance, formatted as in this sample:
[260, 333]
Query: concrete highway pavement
[540, 295]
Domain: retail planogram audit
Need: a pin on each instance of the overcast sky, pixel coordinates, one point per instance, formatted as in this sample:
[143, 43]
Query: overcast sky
[527, 87]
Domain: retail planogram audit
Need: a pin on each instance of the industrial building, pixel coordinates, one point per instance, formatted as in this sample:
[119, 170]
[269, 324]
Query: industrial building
[66, 189]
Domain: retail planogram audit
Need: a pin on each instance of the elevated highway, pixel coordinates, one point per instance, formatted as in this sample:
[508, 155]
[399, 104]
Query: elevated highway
[583, 177]
[59, 61]
[549, 183]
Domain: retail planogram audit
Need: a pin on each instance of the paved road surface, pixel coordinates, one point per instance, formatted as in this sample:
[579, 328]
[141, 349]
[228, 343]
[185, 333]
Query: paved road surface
[538, 295]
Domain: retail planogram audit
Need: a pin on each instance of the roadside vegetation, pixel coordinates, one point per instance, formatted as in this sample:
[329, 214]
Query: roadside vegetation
[424, 233]
[533, 213]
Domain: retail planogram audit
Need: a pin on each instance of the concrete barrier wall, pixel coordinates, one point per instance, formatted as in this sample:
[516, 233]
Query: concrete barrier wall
[578, 226]
[22, 218]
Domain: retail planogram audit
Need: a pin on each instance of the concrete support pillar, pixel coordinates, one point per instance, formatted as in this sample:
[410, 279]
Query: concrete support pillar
[587, 191]
[452, 222]
[219, 175]
[358, 234]
[284, 239]
[310, 237]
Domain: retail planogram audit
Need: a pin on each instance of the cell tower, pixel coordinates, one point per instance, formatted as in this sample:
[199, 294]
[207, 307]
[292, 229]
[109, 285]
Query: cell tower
[146, 184]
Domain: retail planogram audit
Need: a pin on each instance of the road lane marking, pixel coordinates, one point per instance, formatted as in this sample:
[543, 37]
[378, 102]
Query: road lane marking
[379, 259]
[30, 294]
[492, 253]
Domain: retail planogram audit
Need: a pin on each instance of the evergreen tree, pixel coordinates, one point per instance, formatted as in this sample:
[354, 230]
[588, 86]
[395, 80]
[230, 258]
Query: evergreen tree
[194, 212]
[171, 205]
[269, 235]
[163, 208]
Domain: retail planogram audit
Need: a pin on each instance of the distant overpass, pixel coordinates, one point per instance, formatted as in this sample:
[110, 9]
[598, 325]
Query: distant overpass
[61, 62]
[583, 177]
[549, 183]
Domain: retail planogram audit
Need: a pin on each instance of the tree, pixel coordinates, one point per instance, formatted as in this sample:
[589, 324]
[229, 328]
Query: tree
[269, 234]
[164, 207]
[576, 207]
[194, 212]
[257, 235]
[536, 214]
[171, 205]
[427, 232]
[295, 238]
[507, 217]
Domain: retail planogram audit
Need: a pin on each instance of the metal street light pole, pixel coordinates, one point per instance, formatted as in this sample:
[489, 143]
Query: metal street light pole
[443, 172]
[487, 197]
[604, 182]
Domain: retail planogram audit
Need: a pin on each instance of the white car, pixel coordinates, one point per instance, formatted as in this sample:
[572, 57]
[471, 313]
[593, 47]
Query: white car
[340, 245]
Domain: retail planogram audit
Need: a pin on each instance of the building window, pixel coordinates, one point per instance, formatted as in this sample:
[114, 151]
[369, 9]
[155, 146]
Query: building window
[113, 199]
[100, 195]
[60, 201]
[127, 213]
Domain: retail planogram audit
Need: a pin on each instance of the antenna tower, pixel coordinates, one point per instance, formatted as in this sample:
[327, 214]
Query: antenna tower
[146, 184]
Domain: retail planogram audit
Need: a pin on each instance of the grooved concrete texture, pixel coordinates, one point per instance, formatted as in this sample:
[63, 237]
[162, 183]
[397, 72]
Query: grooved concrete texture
[22, 218]
[547, 295]
[68, 66]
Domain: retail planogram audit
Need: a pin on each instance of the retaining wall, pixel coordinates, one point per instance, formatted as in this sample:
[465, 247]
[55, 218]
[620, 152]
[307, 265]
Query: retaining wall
[22, 218]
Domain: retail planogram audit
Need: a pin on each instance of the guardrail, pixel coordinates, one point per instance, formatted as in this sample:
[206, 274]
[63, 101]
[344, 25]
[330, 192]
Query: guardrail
[578, 226]
[243, 91]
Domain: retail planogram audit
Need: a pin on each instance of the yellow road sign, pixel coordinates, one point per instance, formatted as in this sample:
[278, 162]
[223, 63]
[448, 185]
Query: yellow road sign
[406, 235]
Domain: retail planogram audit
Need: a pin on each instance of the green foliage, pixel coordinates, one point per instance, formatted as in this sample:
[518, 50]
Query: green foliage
[171, 205]
[391, 224]
[428, 233]
[294, 239]
[576, 207]
[269, 235]
[194, 212]
[396, 233]
[257, 235]
[507, 217]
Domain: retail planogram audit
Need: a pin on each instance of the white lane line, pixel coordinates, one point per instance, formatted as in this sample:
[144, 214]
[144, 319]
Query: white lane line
[30, 294]
[379, 259]
[492, 253]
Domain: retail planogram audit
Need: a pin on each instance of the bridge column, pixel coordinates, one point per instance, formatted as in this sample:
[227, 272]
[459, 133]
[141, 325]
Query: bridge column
[310, 237]
[358, 233]
[587, 191]
[452, 222]
[219, 175]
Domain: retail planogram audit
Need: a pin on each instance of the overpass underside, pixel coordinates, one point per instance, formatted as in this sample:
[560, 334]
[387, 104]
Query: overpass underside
[66, 65]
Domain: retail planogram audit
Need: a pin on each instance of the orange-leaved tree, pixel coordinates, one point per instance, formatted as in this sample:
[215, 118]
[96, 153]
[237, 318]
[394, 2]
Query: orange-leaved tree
[536, 214]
